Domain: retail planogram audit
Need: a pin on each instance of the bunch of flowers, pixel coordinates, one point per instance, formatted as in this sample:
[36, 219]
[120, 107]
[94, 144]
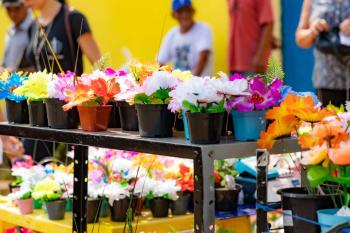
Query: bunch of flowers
[35, 87]
[207, 95]
[60, 84]
[115, 192]
[292, 113]
[156, 88]
[151, 188]
[48, 190]
[9, 82]
[224, 172]
[141, 71]
[92, 91]
[185, 179]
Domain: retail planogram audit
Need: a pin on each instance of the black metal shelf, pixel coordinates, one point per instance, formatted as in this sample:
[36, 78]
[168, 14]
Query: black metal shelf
[202, 155]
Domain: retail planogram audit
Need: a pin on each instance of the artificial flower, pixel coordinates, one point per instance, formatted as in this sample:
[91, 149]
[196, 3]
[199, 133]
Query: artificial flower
[341, 155]
[159, 80]
[115, 192]
[10, 82]
[316, 155]
[58, 87]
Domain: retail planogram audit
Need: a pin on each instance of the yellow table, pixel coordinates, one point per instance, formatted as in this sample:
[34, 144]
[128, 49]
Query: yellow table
[38, 221]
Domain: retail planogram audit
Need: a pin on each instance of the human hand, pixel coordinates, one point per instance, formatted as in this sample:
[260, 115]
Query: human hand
[13, 147]
[319, 26]
[345, 27]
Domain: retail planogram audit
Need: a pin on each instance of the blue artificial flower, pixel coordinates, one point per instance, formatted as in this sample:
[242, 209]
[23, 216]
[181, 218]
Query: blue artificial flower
[6, 87]
[286, 90]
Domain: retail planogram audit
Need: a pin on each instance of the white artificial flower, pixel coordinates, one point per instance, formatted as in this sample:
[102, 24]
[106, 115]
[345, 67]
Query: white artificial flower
[159, 80]
[128, 88]
[96, 190]
[115, 192]
[121, 165]
[224, 86]
[19, 194]
[144, 185]
[168, 187]
[347, 106]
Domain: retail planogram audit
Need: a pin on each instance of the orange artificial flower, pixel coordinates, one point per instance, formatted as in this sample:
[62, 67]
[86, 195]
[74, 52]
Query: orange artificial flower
[316, 155]
[299, 102]
[81, 94]
[312, 115]
[341, 155]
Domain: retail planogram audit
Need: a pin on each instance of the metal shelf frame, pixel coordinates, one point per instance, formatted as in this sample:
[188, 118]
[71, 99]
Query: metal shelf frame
[202, 155]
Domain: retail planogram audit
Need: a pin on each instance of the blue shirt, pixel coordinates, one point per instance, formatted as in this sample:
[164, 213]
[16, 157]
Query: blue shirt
[16, 41]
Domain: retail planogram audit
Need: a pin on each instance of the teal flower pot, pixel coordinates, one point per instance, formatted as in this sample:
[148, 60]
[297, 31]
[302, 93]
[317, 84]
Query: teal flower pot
[327, 218]
[69, 205]
[247, 126]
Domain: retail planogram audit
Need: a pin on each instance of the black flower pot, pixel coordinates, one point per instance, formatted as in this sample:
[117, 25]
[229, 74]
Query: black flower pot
[93, 210]
[56, 209]
[17, 112]
[120, 208]
[155, 120]
[114, 120]
[160, 207]
[128, 116]
[205, 128]
[226, 200]
[59, 119]
[180, 206]
[298, 201]
[37, 114]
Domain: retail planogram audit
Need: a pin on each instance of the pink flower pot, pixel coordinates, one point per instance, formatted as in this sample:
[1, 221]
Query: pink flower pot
[25, 206]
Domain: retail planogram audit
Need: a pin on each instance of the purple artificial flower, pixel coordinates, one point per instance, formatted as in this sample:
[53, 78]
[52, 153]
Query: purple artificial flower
[261, 96]
[236, 76]
[110, 72]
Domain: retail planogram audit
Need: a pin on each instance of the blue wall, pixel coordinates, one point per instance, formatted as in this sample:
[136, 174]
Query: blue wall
[298, 63]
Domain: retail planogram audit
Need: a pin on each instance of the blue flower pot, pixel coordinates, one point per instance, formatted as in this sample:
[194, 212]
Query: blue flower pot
[248, 125]
[186, 130]
[327, 218]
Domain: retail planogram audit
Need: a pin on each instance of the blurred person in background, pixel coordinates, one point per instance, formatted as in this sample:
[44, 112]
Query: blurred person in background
[17, 38]
[16, 41]
[69, 35]
[331, 72]
[250, 36]
[188, 46]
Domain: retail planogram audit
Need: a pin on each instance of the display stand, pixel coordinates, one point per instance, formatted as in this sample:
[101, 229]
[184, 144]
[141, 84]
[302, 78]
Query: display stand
[202, 155]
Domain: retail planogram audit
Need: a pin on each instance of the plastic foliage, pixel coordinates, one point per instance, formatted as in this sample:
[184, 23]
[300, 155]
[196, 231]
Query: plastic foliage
[8, 83]
[47, 190]
[223, 168]
[274, 70]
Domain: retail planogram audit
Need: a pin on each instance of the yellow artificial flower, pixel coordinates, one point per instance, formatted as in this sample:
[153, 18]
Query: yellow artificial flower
[182, 75]
[4, 75]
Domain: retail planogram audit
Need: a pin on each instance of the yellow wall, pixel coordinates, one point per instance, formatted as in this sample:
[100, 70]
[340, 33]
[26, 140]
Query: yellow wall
[137, 25]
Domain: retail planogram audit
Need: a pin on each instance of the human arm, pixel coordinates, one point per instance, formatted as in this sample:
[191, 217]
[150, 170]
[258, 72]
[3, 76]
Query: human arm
[265, 45]
[307, 33]
[202, 62]
[89, 47]
[345, 27]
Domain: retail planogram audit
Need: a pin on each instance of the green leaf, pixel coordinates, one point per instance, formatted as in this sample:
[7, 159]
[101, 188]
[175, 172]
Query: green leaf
[216, 108]
[149, 196]
[27, 195]
[274, 70]
[142, 98]
[317, 175]
[190, 107]
[161, 94]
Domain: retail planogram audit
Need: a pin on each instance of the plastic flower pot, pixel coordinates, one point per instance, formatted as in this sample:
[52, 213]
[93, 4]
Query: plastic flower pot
[37, 114]
[94, 118]
[139, 206]
[155, 120]
[160, 207]
[128, 116]
[17, 112]
[247, 126]
[186, 129]
[180, 206]
[93, 210]
[25, 206]
[205, 128]
[114, 119]
[297, 201]
[327, 217]
[120, 208]
[56, 209]
[226, 200]
[59, 119]
[37, 204]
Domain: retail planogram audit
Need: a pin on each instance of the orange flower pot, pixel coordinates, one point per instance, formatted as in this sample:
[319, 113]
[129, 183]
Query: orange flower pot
[94, 118]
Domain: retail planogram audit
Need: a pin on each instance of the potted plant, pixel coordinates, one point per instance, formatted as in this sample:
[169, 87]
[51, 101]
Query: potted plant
[186, 183]
[119, 201]
[35, 90]
[51, 193]
[23, 200]
[226, 189]
[57, 87]
[159, 195]
[155, 120]
[16, 106]
[91, 97]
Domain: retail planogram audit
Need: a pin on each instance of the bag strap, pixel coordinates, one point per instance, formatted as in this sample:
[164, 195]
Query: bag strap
[69, 33]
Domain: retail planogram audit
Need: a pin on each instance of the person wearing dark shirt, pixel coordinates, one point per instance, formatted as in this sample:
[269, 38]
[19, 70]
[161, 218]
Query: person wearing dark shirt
[69, 35]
